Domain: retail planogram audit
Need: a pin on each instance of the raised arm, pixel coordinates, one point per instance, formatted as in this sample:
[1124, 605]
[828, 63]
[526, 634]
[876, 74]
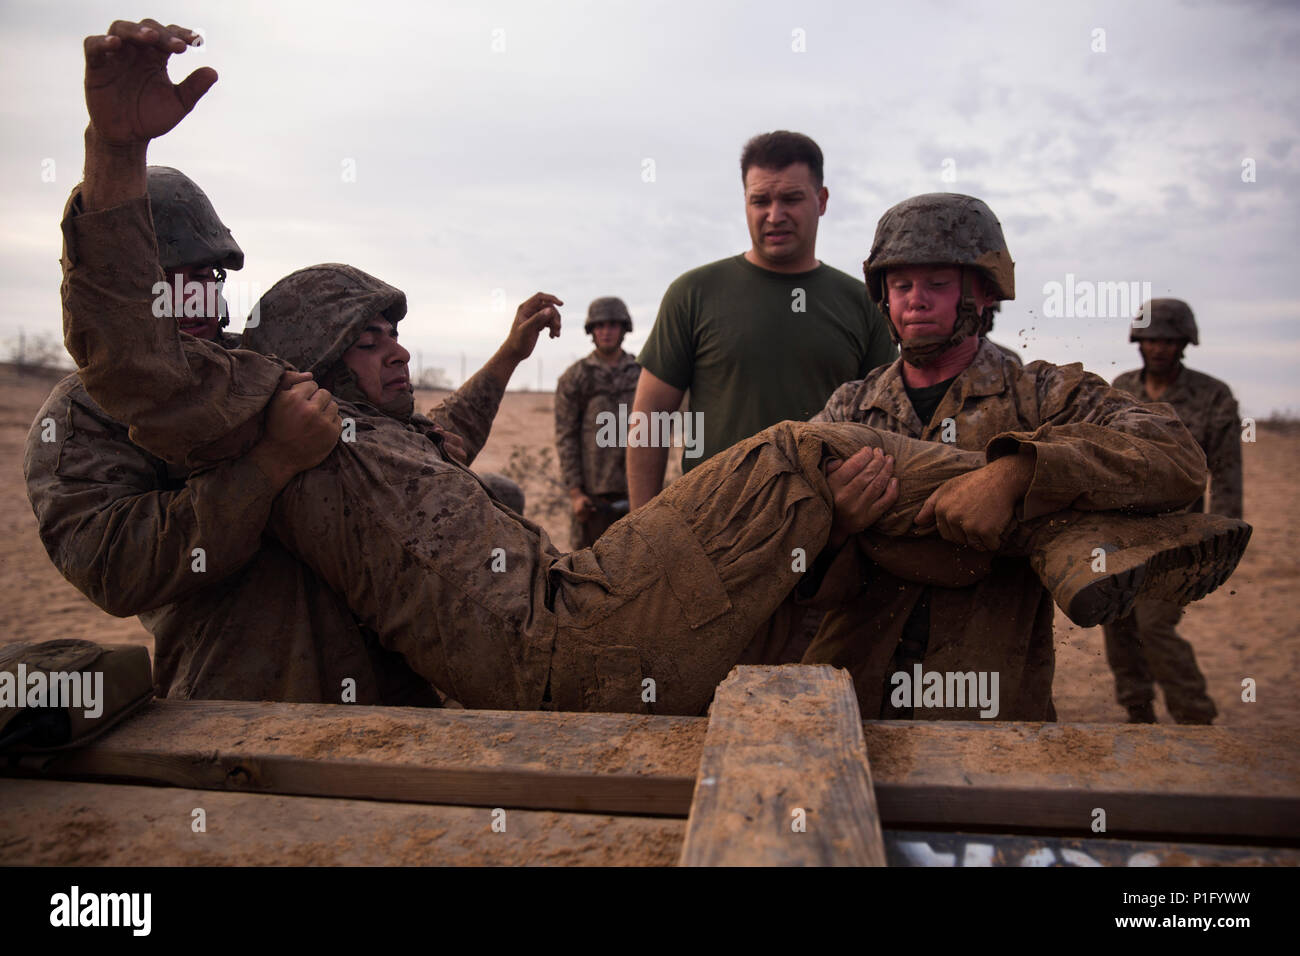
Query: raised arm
[469, 411]
[187, 400]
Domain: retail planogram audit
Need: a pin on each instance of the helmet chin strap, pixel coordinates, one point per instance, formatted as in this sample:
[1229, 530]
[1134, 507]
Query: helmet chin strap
[927, 350]
[223, 310]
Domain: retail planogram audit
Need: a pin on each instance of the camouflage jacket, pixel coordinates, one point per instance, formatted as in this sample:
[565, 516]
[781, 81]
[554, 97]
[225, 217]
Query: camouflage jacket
[123, 527]
[1209, 411]
[587, 388]
[1095, 448]
[110, 267]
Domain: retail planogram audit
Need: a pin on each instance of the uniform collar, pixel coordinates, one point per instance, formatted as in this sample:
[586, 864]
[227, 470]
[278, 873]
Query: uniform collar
[986, 375]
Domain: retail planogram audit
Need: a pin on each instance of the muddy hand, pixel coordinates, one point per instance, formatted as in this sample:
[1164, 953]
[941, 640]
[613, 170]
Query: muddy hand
[977, 508]
[863, 489]
[129, 96]
[302, 428]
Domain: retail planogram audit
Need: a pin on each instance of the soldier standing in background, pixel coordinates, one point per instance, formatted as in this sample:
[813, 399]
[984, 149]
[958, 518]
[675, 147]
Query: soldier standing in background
[1144, 647]
[764, 336]
[596, 477]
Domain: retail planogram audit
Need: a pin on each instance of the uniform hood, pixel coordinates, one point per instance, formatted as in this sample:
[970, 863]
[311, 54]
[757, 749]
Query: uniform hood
[312, 316]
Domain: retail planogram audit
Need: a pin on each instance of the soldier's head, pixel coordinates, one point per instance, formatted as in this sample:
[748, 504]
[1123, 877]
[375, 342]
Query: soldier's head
[1162, 329]
[340, 324]
[608, 322]
[784, 199]
[194, 249]
[937, 267]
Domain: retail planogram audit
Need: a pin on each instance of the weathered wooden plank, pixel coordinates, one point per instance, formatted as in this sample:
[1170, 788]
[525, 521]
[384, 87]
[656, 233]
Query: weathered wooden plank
[78, 824]
[612, 763]
[88, 824]
[784, 779]
[1168, 780]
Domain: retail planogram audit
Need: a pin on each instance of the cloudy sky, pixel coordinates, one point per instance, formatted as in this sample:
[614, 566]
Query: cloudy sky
[473, 153]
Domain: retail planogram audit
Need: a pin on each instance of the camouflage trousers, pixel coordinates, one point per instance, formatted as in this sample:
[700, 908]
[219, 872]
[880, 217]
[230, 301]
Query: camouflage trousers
[649, 619]
[1144, 648]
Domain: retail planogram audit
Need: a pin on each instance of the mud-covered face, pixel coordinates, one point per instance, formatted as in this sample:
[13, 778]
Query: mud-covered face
[782, 207]
[608, 336]
[379, 363]
[1161, 356]
[200, 292]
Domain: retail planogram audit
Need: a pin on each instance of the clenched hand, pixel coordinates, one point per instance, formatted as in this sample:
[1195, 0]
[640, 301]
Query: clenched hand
[975, 509]
[302, 427]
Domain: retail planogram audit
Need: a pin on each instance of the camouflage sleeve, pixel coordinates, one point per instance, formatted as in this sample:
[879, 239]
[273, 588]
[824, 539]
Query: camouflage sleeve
[121, 541]
[469, 411]
[1223, 454]
[841, 405]
[1099, 449]
[187, 401]
[569, 404]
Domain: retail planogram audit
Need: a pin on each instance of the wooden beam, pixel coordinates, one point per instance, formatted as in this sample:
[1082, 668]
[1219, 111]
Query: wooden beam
[611, 763]
[1241, 782]
[61, 823]
[1149, 781]
[784, 779]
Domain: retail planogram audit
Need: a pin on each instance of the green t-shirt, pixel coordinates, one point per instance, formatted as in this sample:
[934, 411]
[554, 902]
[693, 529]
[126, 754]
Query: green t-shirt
[756, 347]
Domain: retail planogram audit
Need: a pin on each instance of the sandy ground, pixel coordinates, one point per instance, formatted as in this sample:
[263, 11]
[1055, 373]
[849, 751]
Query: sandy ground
[1249, 628]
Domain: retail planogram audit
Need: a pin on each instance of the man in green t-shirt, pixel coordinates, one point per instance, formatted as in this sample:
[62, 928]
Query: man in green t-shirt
[760, 337]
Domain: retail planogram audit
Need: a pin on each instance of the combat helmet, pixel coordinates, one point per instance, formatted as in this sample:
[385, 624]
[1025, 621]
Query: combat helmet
[942, 229]
[1164, 319]
[188, 229]
[312, 316]
[608, 309]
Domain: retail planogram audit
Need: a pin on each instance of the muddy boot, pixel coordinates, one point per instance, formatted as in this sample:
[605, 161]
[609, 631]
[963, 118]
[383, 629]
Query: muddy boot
[1097, 564]
[1142, 713]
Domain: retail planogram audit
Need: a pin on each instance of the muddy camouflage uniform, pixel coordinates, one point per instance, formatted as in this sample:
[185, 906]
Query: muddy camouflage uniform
[122, 526]
[585, 390]
[474, 596]
[1209, 410]
[255, 624]
[1094, 448]
[1145, 647]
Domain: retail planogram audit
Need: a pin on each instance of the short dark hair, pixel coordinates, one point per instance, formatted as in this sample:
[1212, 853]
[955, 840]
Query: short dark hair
[779, 149]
